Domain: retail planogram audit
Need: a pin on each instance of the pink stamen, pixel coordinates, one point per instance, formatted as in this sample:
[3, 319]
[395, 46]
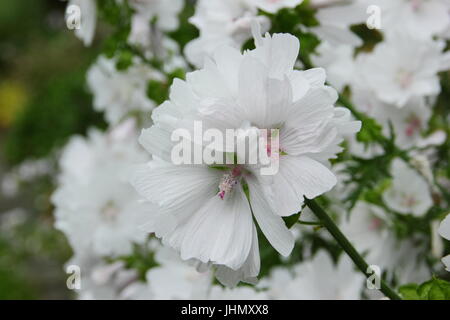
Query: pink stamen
[414, 125]
[229, 180]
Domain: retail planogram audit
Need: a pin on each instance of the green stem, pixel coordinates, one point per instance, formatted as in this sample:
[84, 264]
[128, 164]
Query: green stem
[347, 246]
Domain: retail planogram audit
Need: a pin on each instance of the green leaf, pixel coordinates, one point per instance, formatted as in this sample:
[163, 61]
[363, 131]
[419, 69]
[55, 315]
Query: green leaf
[434, 289]
[409, 292]
[291, 220]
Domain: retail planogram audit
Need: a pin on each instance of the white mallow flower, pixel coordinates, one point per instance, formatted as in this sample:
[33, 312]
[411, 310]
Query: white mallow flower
[409, 123]
[99, 280]
[402, 67]
[176, 279]
[221, 23]
[409, 192]
[228, 23]
[444, 231]
[335, 21]
[338, 62]
[119, 93]
[149, 22]
[206, 212]
[368, 228]
[423, 18]
[165, 13]
[316, 279]
[88, 18]
[96, 207]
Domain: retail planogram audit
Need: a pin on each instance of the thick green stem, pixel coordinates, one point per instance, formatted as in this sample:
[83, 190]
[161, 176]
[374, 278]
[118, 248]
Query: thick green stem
[347, 246]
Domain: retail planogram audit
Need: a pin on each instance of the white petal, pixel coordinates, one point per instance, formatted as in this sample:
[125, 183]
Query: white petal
[221, 231]
[248, 272]
[444, 228]
[271, 224]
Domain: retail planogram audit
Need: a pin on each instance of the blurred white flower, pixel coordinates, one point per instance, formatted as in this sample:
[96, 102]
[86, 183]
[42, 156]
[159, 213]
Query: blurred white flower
[176, 279]
[402, 67]
[316, 279]
[338, 62]
[423, 18]
[221, 23]
[149, 22]
[163, 12]
[88, 19]
[369, 228]
[95, 206]
[444, 231]
[100, 280]
[409, 192]
[335, 21]
[118, 93]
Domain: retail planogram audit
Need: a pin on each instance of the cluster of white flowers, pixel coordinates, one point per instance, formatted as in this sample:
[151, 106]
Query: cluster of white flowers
[397, 84]
[118, 191]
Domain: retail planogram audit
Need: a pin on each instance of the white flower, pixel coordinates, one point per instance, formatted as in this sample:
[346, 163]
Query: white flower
[149, 22]
[369, 229]
[444, 231]
[335, 21]
[205, 213]
[317, 279]
[423, 18]
[164, 12]
[88, 19]
[119, 93]
[176, 279]
[95, 206]
[221, 23]
[409, 192]
[338, 62]
[402, 67]
[98, 279]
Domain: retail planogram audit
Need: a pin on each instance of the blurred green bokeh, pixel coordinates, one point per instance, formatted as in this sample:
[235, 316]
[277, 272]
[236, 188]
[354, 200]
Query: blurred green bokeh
[43, 101]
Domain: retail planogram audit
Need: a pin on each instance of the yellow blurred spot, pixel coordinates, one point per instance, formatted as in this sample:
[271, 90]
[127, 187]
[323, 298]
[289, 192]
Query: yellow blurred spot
[13, 97]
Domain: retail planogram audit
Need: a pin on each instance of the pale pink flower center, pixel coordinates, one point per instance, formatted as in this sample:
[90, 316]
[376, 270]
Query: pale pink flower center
[409, 201]
[229, 181]
[414, 125]
[405, 78]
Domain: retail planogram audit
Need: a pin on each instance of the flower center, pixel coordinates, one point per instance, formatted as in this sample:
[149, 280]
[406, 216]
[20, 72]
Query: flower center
[110, 211]
[229, 180]
[404, 78]
[416, 4]
[409, 201]
[413, 125]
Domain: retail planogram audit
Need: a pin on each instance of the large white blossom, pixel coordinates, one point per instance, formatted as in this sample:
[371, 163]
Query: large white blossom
[96, 207]
[205, 213]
